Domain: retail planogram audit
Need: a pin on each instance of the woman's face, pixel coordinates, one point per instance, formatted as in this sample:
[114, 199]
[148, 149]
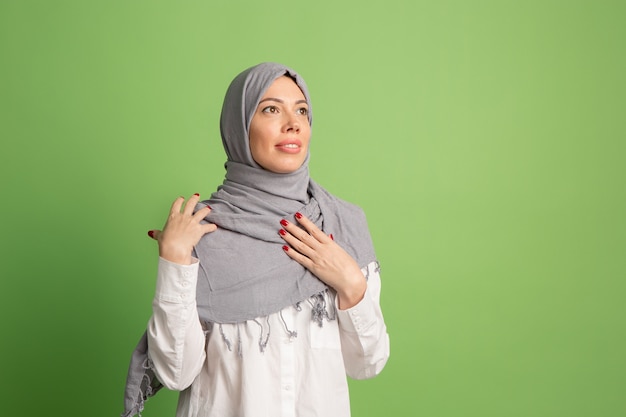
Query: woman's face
[280, 130]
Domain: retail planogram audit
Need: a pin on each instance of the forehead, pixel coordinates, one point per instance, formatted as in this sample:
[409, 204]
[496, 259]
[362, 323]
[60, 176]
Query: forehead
[284, 87]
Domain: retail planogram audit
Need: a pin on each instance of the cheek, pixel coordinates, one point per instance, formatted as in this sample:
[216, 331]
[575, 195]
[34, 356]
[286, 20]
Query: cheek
[261, 144]
[306, 136]
[257, 137]
[254, 145]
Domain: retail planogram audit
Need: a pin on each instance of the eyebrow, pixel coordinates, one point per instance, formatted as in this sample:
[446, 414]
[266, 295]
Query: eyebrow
[281, 101]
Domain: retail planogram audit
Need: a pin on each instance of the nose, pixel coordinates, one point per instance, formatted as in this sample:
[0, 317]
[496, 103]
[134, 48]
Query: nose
[292, 124]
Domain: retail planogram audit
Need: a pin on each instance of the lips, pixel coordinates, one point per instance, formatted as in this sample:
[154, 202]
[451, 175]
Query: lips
[289, 145]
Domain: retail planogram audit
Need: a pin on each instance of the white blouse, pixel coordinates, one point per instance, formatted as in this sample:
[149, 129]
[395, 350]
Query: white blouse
[283, 365]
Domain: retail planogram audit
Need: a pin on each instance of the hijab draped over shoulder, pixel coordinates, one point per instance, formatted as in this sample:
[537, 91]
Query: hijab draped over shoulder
[243, 271]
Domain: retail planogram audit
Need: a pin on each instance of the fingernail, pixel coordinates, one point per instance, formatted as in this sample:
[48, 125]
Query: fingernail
[209, 207]
[197, 195]
[298, 215]
[284, 222]
[285, 248]
[151, 233]
[282, 232]
[331, 237]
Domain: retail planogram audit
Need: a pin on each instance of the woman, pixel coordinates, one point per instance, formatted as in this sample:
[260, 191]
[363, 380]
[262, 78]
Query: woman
[267, 293]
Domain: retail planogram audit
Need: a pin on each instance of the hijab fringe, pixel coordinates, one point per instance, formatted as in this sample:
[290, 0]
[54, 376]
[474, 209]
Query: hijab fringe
[147, 388]
[322, 308]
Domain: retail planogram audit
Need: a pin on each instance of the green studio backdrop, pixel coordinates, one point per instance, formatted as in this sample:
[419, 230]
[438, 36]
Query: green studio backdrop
[484, 139]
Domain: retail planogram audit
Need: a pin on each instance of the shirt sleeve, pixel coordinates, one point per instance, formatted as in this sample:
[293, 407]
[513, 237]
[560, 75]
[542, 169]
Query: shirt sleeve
[176, 339]
[364, 338]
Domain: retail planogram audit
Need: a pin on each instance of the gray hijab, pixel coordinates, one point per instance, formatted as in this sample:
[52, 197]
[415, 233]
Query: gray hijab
[243, 271]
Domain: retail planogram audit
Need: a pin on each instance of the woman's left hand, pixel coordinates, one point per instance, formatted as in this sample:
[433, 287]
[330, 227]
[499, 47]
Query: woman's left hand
[319, 253]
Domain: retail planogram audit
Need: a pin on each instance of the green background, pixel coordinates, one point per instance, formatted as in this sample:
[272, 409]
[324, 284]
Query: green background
[484, 139]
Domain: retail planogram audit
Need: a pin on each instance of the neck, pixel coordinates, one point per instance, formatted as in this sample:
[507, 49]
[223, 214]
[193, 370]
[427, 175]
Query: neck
[292, 186]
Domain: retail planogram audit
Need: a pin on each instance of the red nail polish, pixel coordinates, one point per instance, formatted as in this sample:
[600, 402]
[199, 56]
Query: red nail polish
[285, 248]
[284, 222]
[298, 215]
[151, 233]
[331, 237]
[197, 195]
[282, 232]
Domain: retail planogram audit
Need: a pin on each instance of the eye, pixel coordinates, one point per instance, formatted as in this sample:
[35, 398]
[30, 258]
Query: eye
[303, 111]
[270, 109]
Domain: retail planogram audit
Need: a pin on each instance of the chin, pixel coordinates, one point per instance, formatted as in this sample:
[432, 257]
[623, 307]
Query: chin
[283, 170]
[287, 167]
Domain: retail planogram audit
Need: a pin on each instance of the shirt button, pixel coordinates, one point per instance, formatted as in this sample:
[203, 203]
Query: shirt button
[287, 387]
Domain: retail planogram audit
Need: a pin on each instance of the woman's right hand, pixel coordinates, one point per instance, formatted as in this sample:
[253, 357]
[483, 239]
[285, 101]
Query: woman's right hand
[182, 231]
